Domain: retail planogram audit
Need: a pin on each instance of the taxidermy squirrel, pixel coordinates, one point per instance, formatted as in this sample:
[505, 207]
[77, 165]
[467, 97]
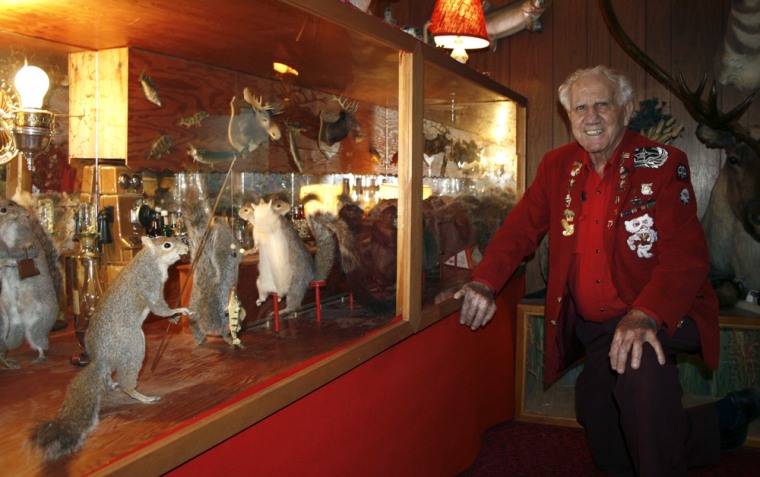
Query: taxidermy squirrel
[285, 264]
[31, 279]
[215, 273]
[115, 342]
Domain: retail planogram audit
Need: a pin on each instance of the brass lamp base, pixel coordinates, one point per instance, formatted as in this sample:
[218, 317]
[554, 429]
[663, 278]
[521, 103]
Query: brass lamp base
[32, 131]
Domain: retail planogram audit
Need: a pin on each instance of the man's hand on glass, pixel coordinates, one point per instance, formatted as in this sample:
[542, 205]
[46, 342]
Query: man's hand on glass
[478, 307]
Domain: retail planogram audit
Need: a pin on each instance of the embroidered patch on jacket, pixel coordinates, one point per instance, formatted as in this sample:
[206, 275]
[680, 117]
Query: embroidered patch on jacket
[685, 196]
[646, 189]
[643, 235]
[682, 172]
[640, 206]
[650, 157]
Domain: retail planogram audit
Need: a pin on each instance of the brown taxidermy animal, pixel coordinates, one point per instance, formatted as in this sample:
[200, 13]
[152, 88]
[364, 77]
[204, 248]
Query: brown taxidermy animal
[732, 224]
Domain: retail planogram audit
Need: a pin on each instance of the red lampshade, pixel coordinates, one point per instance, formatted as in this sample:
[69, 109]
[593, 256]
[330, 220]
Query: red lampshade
[459, 24]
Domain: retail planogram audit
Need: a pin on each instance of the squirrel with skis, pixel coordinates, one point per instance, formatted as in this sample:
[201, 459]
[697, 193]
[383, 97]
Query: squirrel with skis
[115, 342]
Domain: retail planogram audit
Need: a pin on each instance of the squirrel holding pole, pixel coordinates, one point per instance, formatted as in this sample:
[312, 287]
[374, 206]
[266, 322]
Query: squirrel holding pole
[216, 270]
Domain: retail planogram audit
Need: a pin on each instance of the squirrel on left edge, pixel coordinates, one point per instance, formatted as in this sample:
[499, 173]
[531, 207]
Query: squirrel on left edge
[32, 281]
[115, 342]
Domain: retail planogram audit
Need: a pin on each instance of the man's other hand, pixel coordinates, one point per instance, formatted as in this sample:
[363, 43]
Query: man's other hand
[478, 307]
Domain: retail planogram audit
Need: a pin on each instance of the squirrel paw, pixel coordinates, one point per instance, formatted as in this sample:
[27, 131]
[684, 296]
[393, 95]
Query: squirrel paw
[8, 363]
[142, 398]
[174, 318]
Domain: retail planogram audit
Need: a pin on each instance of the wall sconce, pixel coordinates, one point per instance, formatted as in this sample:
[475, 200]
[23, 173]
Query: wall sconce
[32, 126]
[459, 25]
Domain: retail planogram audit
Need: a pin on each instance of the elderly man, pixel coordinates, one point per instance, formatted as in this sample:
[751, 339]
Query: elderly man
[627, 286]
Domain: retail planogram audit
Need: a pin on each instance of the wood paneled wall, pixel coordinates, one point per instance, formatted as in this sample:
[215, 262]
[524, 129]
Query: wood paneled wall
[683, 36]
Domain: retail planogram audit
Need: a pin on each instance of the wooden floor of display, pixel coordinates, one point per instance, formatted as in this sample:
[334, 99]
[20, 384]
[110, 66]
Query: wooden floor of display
[191, 379]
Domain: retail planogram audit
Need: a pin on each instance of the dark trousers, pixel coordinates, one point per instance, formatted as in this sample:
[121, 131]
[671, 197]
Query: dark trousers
[635, 421]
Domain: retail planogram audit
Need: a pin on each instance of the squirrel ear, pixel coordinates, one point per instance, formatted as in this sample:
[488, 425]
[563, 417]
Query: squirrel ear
[147, 242]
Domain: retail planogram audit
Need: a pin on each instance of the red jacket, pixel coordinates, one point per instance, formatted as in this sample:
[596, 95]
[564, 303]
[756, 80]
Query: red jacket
[656, 246]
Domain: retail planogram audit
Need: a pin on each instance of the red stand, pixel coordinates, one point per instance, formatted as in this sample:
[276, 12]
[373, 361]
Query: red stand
[317, 284]
[276, 303]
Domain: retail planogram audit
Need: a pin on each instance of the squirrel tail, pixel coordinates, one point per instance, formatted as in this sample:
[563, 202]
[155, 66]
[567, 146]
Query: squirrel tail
[324, 258]
[76, 418]
[196, 212]
[52, 254]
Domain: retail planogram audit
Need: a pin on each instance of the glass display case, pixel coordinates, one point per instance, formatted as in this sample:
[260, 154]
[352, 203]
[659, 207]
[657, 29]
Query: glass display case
[414, 158]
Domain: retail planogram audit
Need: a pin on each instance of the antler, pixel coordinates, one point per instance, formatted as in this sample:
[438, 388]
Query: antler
[347, 105]
[705, 113]
[258, 103]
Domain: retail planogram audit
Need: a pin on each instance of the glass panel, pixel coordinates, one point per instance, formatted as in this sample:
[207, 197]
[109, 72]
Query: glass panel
[470, 174]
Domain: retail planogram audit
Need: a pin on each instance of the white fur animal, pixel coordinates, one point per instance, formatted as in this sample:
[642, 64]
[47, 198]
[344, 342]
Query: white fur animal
[285, 265]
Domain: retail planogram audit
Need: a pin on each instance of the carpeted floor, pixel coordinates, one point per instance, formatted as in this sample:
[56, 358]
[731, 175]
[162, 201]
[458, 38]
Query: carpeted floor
[518, 449]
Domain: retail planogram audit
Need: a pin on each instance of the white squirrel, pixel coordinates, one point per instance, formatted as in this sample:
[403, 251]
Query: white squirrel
[31, 281]
[115, 342]
[285, 264]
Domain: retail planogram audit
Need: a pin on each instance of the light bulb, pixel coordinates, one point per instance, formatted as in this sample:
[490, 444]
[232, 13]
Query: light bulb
[32, 84]
[284, 68]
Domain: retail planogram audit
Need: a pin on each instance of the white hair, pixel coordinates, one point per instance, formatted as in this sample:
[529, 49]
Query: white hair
[623, 89]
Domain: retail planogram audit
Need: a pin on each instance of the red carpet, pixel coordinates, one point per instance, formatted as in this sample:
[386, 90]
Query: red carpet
[519, 449]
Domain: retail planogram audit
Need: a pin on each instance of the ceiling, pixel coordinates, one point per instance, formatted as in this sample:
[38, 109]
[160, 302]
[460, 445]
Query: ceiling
[240, 35]
[244, 36]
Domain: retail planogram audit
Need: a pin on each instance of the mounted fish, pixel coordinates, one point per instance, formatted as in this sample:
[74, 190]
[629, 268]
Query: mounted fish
[210, 158]
[149, 89]
[513, 18]
[159, 147]
[194, 120]
[251, 122]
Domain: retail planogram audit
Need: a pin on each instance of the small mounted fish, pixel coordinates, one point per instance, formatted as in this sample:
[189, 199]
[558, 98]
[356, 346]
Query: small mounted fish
[236, 315]
[193, 120]
[149, 89]
[210, 158]
[159, 147]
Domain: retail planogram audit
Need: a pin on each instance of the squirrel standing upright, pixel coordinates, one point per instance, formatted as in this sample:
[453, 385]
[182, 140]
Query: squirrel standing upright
[31, 281]
[216, 270]
[285, 264]
[115, 342]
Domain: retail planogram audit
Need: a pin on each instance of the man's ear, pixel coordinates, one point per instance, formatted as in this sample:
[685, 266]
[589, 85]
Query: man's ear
[628, 113]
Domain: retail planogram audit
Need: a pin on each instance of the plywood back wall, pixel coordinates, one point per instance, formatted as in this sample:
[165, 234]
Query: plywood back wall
[683, 36]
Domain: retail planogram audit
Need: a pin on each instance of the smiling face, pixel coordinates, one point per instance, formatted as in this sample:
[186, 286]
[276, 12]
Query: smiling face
[598, 121]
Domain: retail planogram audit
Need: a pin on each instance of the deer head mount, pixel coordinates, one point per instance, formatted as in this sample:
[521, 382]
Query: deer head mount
[716, 129]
